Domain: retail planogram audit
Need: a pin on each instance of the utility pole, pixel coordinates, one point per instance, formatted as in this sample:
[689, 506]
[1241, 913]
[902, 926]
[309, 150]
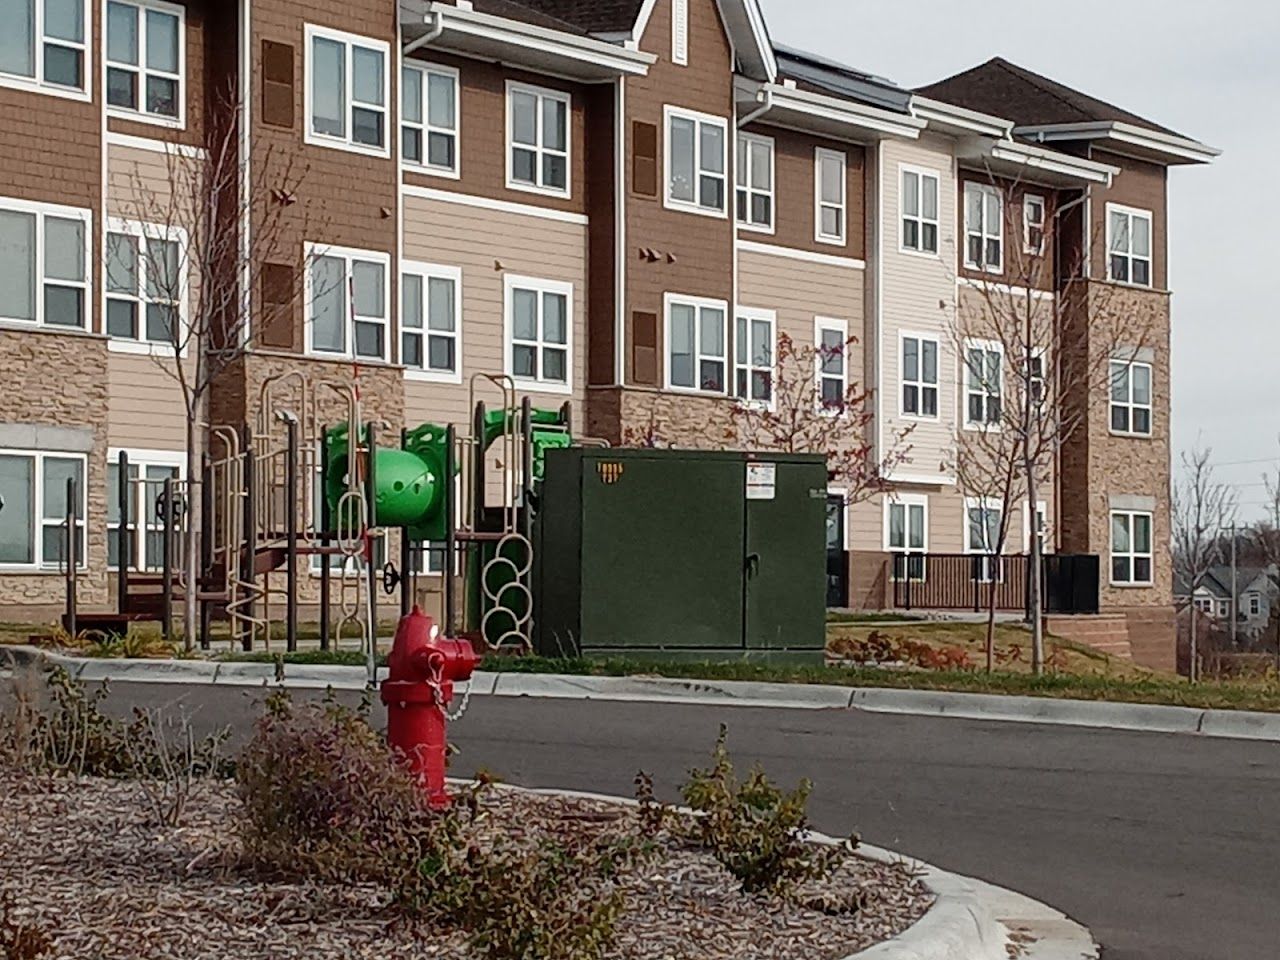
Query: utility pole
[1235, 593]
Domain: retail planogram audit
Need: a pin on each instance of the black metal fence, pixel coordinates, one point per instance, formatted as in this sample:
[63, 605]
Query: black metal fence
[951, 581]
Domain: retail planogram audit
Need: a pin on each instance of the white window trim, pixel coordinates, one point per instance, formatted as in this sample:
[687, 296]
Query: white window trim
[990, 346]
[144, 232]
[744, 156]
[842, 327]
[427, 68]
[311, 251]
[509, 283]
[42, 210]
[1130, 403]
[843, 494]
[427, 271]
[1027, 223]
[906, 500]
[751, 314]
[903, 336]
[1254, 604]
[1132, 554]
[142, 459]
[698, 303]
[921, 172]
[37, 83]
[983, 229]
[988, 504]
[820, 154]
[543, 93]
[729, 175]
[1131, 213]
[140, 115]
[39, 564]
[390, 114]
[1042, 509]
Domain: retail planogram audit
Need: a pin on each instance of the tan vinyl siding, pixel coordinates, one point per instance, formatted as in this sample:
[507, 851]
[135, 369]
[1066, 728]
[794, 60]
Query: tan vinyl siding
[800, 292]
[486, 245]
[146, 409]
[918, 295]
[139, 184]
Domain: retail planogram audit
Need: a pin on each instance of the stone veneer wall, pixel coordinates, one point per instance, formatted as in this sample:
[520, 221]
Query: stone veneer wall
[56, 379]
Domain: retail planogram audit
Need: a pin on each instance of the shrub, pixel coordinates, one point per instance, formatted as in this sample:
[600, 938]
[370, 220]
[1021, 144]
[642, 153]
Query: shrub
[324, 797]
[756, 830]
[880, 648]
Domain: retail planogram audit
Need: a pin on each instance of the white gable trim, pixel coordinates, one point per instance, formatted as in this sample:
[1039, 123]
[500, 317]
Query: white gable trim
[754, 41]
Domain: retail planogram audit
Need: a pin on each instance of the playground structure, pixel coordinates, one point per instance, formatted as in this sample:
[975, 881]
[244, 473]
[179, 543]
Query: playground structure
[288, 493]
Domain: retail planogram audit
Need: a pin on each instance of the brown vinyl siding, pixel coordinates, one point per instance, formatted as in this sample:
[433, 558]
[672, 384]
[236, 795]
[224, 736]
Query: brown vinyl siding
[344, 198]
[1141, 185]
[199, 76]
[694, 253]
[1018, 268]
[482, 153]
[795, 172]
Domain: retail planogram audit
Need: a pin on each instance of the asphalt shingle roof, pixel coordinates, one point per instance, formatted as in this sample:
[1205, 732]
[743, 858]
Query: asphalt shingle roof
[591, 16]
[526, 12]
[1004, 89]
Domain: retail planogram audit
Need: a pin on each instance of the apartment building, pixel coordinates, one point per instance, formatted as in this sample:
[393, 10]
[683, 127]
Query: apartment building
[619, 204]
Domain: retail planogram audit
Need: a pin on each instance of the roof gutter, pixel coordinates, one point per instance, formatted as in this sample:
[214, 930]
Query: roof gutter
[433, 33]
[1176, 148]
[859, 121]
[959, 120]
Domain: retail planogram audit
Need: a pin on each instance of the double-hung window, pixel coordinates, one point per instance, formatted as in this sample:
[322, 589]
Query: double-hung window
[906, 528]
[146, 48]
[537, 139]
[755, 182]
[430, 321]
[346, 296]
[44, 264]
[831, 340]
[697, 158]
[1129, 245]
[753, 345]
[33, 522]
[1033, 223]
[1131, 398]
[696, 344]
[348, 87]
[830, 196]
[145, 289]
[1131, 552]
[919, 376]
[42, 44]
[983, 383]
[919, 211]
[146, 476]
[539, 341]
[983, 228]
[982, 521]
[429, 117]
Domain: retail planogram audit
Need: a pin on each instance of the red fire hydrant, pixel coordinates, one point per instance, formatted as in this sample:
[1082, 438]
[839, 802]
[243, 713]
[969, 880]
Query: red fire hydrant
[421, 671]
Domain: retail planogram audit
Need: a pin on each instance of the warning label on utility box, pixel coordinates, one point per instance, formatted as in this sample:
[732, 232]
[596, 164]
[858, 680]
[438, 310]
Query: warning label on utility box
[762, 481]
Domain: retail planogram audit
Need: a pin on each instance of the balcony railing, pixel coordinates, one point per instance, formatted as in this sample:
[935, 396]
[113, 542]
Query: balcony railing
[961, 581]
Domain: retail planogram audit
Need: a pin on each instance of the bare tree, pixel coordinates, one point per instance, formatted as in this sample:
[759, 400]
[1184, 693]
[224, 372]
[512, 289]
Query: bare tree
[1202, 509]
[209, 241]
[1041, 348]
[806, 403]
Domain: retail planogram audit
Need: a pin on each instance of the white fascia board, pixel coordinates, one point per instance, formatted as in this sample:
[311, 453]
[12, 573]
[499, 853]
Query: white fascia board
[861, 119]
[1179, 148]
[949, 117]
[1035, 158]
[457, 24]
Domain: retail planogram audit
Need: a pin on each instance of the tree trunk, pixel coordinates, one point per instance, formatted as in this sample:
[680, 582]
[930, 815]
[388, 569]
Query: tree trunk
[190, 606]
[1035, 612]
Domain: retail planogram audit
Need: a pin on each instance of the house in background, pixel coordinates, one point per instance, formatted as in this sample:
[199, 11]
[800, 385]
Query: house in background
[1257, 593]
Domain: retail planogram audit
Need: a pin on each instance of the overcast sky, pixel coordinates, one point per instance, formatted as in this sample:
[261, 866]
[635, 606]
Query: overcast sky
[1208, 70]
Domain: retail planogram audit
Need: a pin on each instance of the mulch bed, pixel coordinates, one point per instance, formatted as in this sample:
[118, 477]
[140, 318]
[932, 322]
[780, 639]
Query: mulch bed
[82, 861]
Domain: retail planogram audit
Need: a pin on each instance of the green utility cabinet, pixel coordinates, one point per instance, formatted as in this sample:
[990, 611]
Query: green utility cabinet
[679, 553]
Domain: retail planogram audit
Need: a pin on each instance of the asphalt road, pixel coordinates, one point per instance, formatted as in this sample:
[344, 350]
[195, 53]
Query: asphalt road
[1167, 848]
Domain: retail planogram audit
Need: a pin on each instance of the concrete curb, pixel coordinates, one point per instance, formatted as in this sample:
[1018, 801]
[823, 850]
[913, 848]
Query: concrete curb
[1137, 717]
[969, 920]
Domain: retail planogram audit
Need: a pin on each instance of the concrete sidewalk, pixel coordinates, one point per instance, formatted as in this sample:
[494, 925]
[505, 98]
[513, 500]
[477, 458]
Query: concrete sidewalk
[1146, 718]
